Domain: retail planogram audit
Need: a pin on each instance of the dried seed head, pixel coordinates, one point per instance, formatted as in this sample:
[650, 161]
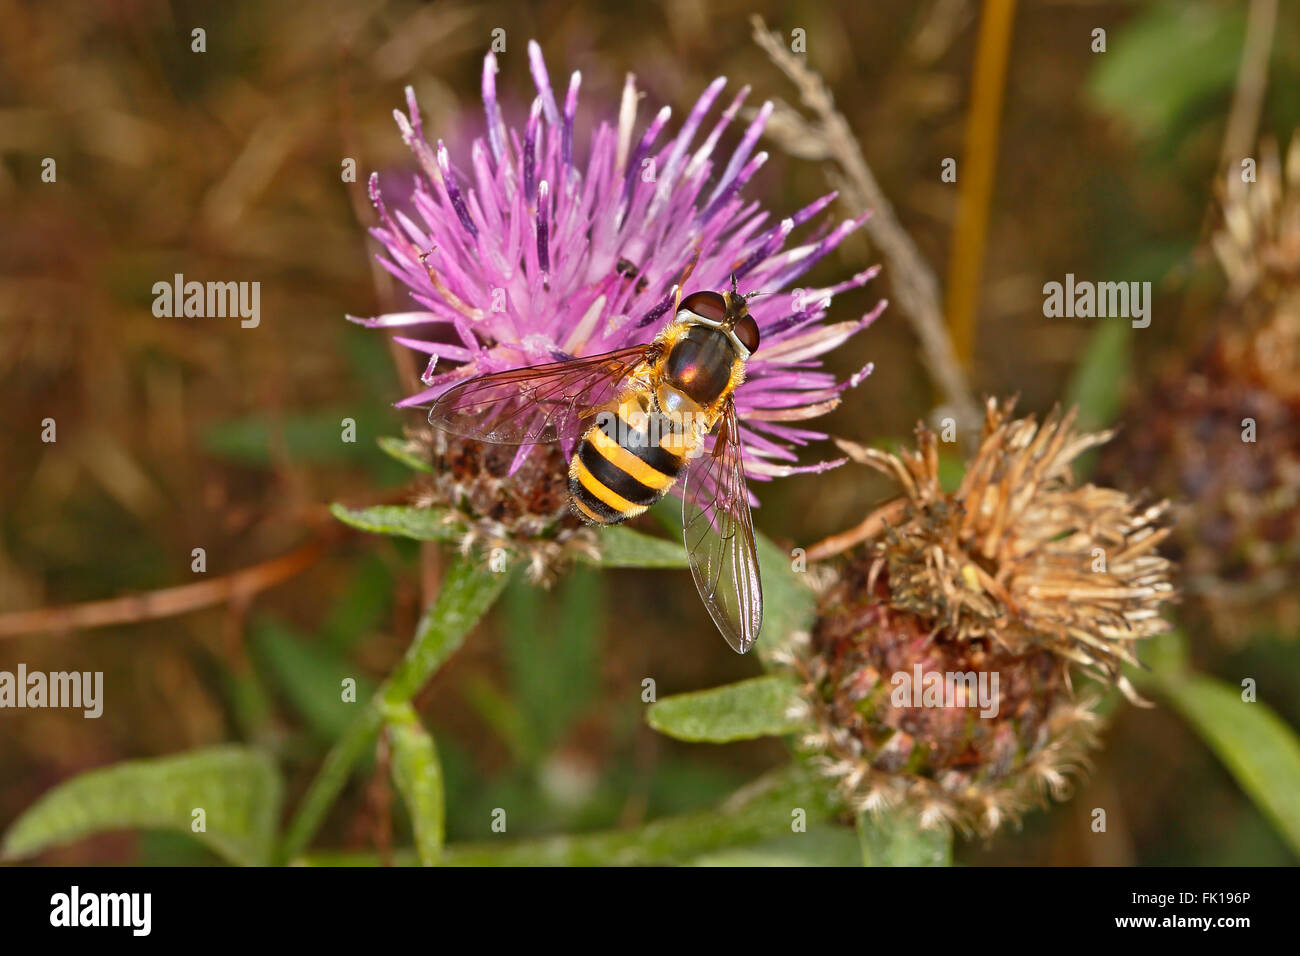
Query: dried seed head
[937, 675]
[1258, 244]
[1220, 433]
[1258, 240]
[1228, 450]
[1018, 555]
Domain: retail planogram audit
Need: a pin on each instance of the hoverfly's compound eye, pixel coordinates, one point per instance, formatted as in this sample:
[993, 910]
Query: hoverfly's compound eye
[747, 332]
[707, 305]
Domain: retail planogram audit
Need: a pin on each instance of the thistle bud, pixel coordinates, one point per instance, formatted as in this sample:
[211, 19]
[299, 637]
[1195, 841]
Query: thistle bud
[525, 511]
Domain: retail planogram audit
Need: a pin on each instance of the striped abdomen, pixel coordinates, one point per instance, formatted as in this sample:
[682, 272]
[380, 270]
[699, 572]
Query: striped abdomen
[617, 471]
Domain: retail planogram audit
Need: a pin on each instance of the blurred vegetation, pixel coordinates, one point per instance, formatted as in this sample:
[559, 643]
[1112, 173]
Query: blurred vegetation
[175, 434]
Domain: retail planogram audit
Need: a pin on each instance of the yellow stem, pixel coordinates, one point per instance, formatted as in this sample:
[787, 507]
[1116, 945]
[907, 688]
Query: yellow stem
[975, 174]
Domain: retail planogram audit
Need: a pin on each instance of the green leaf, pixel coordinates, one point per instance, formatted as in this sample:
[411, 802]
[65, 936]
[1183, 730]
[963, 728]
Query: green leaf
[1256, 746]
[821, 845]
[751, 708]
[403, 451]
[1168, 654]
[1164, 61]
[418, 776]
[897, 840]
[551, 647]
[501, 712]
[766, 808]
[667, 513]
[238, 789]
[1097, 387]
[311, 675]
[789, 605]
[403, 521]
[622, 547]
[468, 590]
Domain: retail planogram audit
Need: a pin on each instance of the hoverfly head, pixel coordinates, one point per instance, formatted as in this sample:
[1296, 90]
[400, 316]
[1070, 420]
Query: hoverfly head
[727, 312]
[739, 322]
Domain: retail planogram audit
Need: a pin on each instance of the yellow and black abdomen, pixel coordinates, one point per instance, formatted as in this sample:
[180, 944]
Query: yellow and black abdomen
[620, 468]
[632, 456]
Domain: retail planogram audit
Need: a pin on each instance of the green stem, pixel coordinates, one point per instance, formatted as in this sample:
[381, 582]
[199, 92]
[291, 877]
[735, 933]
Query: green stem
[468, 590]
[418, 775]
[763, 810]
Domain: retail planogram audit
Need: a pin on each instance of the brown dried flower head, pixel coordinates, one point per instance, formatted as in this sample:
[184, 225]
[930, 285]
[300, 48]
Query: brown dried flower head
[984, 598]
[891, 731]
[1258, 246]
[1018, 554]
[1220, 432]
[1258, 241]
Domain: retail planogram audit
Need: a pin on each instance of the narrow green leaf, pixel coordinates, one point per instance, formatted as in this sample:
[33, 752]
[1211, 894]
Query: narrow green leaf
[551, 650]
[751, 708]
[1256, 746]
[820, 845]
[1169, 654]
[624, 548]
[767, 808]
[897, 840]
[502, 713]
[399, 449]
[1097, 387]
[417, 773]
[469, 588]
[766, 816]
[239, 791]
[403, 521]
[763, 815]
[789, 605]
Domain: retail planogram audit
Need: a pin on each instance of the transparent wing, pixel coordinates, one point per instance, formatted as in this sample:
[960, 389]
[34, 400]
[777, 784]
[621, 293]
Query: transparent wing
[719, 532]
[542, 403]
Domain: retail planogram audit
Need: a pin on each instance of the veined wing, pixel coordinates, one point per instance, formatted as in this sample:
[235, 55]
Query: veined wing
[542, 403]
[719, 533]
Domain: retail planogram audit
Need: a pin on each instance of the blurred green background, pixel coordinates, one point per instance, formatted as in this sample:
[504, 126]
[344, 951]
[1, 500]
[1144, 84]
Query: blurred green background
[176, 434]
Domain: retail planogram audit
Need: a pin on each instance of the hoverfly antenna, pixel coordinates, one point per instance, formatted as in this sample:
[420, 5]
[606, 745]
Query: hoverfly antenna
[734, 290]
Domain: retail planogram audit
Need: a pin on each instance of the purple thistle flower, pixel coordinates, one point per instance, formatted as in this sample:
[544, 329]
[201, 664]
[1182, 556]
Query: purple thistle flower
[532, 255]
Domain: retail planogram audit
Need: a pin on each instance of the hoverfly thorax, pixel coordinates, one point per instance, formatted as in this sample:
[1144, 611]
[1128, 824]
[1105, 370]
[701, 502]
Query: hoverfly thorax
[708, 360]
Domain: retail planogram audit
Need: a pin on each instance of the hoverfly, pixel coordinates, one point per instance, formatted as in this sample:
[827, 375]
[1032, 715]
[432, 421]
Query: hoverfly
[640, 417]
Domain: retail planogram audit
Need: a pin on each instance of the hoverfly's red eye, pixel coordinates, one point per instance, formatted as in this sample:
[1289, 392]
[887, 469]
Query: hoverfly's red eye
[747, 332]
[707, 305]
